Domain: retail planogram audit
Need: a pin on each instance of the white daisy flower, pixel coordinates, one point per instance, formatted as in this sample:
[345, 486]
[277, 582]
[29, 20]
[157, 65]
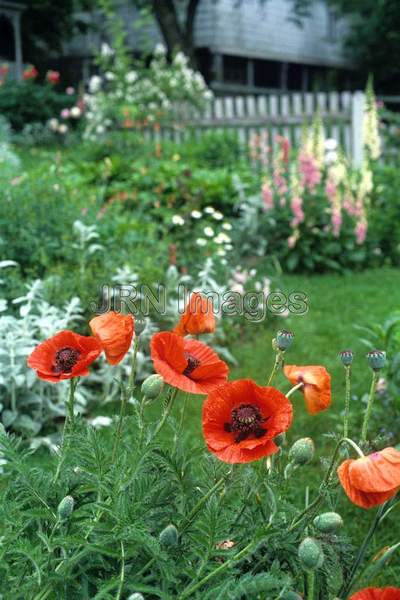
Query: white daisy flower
[201, 242]
[178, 220]
[209, 210]
[227, 226]
[208, 231]
[196, 214]
[217, 215]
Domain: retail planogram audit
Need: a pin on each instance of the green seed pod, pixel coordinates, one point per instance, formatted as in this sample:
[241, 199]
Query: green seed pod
[65, 508]
[291, 596]
[169, 536]
[284, 339]
[152, 386]
[310, 554]
[136, 596]
[346, 356]
[302, 451]
[328, 522]
[376, 359]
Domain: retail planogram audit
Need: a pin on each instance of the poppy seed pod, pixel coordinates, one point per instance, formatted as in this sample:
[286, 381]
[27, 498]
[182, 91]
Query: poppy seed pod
[284, 339]
[65, 508]
[328, 522]
[346, 356]
[169, 536]
[152, 386]
[302, 451]
[310, 554]
[376, 359]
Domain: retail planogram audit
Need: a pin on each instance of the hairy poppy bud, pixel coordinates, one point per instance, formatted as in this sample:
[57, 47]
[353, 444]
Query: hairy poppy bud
[291, 596]
[65, 508]
[136, 596]
[284, 339]
[302, 451]
[328, 522]
[310, 554]
[376, 359]
[152, 386]
[169, 536]
[346, 356]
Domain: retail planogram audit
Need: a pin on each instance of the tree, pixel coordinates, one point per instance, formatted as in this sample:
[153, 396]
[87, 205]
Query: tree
[373, 40]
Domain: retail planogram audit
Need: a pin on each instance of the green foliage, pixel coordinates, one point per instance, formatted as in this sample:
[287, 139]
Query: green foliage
[28, 102]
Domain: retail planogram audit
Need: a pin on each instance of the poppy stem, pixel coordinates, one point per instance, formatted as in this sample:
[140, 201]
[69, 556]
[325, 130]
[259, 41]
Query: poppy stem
[132, 374]
[188, 520]
[68, 421]
[368, 412]
[294, 388]
[277, 364]
[168, 408]
[361, 552]
[183, 411]
[310, 585]
[325, 482]
[347, 401]
[124, 399]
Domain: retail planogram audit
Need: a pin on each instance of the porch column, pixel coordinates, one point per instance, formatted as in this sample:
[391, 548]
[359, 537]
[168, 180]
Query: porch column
[16, 21]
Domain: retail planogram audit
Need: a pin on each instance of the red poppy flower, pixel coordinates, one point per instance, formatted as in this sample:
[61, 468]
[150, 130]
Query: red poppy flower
[388, 593]
[187, 364]
[114, 332]
[64, 356]
[198, 316]
[241, 418]
[316, 388]
[53, 77]
[373, 479]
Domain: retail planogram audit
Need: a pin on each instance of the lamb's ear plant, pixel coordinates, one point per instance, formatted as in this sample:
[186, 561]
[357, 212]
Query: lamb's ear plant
[143, 510]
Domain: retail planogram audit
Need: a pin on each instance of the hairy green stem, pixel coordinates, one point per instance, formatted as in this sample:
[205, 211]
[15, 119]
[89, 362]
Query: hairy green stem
[122, 574]
[180, 428]
[361, 552]
[124, 402]
[277, 364]
[294, 388]
[132, 374]
[310, 585]
[347, 401]
[167, 411]
[369, 406]
[68, 422]
[325, 482]
[188, 520]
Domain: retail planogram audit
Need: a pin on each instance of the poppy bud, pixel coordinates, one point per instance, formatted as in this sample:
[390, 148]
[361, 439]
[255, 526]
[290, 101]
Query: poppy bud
[291, 596]
[376, 359]
[136, 596]
[152, 386]
[169, 536]
[310, 554]
[279, 440]
[302, 451]
[328, 522]
[346, 356]
[65, 508]
[284, 339]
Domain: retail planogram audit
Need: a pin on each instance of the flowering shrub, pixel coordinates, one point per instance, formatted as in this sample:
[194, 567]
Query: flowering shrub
[145, 508]
[142, 95]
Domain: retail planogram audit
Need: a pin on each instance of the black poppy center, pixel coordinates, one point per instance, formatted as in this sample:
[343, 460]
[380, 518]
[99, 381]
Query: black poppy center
[65, 359]
[246, 420]
[192, 363]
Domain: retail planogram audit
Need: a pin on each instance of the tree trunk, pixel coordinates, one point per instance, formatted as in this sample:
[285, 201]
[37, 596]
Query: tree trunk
[176, 37]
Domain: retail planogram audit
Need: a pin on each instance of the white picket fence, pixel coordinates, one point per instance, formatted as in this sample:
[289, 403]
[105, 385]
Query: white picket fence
[284, 114]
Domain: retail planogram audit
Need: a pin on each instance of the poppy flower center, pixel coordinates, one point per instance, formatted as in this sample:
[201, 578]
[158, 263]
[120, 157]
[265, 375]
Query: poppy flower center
[192, 364]
[246, 420]
[65, 359]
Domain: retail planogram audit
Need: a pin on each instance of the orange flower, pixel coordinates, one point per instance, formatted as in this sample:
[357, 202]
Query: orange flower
[241, 418]
[114, 332]
[373, 479]
[198, 316]
[388, 593]
[316, 388]
[187, 364]
[64, 356]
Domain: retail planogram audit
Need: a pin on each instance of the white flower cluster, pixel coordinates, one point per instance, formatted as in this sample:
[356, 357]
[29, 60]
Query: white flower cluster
[146, 95]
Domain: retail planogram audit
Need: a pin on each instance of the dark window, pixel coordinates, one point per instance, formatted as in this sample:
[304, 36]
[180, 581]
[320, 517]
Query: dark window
[235, 69]
[295, 77]
[267, 73]
[7, 51]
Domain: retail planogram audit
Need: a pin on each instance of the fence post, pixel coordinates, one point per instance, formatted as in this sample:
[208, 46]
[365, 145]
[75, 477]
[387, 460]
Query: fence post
[357, 117]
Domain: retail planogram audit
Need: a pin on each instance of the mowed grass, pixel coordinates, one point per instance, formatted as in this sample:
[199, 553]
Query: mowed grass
[336, 304]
